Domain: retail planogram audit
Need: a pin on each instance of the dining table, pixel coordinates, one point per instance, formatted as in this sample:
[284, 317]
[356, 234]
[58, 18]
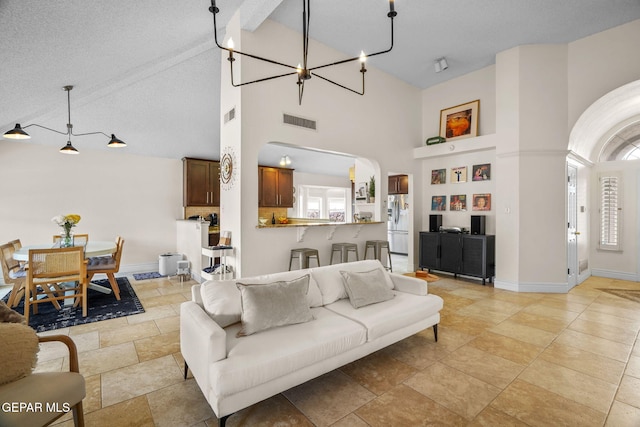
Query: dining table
[93, 248]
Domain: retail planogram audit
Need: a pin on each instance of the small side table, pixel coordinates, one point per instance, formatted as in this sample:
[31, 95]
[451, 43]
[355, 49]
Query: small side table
[212, 252]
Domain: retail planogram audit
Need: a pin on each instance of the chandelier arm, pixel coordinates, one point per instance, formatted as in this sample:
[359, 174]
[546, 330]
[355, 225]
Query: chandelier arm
[90, 133]
[343, 86]
[44, 127]
[260, 80]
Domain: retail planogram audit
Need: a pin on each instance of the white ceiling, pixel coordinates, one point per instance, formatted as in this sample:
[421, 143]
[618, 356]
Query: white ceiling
[147, 70]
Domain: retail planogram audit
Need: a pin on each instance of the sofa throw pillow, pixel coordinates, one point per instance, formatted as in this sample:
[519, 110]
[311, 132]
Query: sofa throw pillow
[266, 306]
[221, 301]
[9, 315]
[19, 344]
[367, 287]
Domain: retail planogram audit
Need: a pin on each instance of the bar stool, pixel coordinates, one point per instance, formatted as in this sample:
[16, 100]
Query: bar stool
[344, 249]
[377, 246]
[303, 255]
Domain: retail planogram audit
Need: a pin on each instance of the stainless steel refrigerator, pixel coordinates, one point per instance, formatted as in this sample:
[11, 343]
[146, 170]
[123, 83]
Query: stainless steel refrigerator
[398, 224]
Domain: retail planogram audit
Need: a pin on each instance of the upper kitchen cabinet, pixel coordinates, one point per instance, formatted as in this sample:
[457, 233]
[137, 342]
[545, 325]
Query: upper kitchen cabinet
[399, 184]
[275, 187]
[201, 182]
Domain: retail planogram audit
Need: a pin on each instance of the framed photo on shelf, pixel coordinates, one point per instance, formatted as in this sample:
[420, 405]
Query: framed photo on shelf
[482, 202]
[459, 174]
[460, 121]
[361, 191]
[438, 203]
[458, 202]
[481, 172]
[438, 176]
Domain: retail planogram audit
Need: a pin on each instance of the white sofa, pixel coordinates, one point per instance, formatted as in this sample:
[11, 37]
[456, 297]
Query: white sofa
[236, 372]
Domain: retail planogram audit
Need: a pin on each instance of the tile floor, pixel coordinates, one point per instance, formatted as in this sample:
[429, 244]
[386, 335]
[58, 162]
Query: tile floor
[502, 358]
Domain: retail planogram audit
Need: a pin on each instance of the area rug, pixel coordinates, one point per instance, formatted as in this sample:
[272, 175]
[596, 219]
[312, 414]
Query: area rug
[630, 294]
[428, 277]
[100, 307]
[145, 276]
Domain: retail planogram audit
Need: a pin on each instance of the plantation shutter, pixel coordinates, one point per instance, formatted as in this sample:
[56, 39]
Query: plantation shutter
[610, 211]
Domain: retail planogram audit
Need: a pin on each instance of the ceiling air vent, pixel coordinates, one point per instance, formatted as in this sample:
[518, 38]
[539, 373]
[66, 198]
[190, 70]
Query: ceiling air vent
[298, 121]
[230, 115]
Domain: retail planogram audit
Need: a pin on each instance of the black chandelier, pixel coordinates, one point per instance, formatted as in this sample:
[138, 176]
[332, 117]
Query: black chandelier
[18, 132]
[302, 70]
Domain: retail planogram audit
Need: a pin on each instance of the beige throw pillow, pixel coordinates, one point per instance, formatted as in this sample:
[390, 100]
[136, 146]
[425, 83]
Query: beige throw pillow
[19, 344]
[365, 288]
[221, 301]
[266, 306]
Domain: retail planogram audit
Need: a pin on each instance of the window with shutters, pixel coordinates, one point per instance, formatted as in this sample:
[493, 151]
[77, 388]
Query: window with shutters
[610, 211]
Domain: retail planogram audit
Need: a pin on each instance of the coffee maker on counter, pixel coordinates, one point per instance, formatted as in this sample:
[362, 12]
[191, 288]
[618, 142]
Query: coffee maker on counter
[213, 220]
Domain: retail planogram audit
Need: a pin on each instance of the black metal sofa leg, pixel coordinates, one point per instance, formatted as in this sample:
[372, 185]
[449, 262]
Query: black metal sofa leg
[186, 370]
[435, 333]
[223, 421]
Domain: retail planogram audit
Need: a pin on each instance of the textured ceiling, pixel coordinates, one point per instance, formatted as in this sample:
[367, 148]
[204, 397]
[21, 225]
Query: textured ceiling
[147, 70]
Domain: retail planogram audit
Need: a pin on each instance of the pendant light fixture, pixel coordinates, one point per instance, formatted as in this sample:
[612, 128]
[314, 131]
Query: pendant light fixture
[18, 132]
[302, 70]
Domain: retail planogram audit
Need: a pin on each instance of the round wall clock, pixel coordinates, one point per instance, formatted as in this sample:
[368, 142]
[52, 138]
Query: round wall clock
[228, 168]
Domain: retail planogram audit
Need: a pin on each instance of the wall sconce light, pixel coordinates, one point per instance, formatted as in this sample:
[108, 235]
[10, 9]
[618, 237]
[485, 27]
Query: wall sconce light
[285, 161]
[440, 64]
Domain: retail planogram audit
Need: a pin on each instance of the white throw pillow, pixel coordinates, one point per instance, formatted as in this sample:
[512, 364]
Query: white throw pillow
[266, 306]
[221, 301]
[367, 287]
[314, 297]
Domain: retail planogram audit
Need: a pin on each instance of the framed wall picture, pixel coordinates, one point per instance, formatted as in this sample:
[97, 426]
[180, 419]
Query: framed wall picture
[460, 121]
[482, 202]
[438, 176]
[459, 174]
[438, 203]
[458, 202]
[362, 188]
[481, 172]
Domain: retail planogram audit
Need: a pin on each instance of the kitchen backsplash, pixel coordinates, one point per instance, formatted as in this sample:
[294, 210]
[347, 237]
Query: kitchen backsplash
[203, 211]
[268, 212]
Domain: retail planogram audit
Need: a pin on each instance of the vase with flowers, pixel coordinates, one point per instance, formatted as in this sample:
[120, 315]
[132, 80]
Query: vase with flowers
[67, 222]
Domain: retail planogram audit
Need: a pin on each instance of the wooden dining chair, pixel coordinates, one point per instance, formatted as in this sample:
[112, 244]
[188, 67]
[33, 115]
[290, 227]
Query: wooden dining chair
[78, 239]
[50, 267]
[108, 265]
[13, 273]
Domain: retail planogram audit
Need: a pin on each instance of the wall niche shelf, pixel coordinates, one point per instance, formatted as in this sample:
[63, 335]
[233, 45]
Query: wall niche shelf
[467, 145]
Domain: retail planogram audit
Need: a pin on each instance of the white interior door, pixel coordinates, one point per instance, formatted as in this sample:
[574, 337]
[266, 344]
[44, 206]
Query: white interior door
[572, 221]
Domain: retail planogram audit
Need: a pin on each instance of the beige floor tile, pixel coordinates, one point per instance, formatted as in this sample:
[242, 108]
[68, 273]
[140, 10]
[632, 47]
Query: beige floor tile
[464, 324]
[103, 325]
[629, 391]
[486, 367]
[378, 372]
[168, 324]
[417, 352]
[601, 346]
[275, 411]
[54, 350]
[152, 313]
[190, 409]
[623, 415]
[132, 381]
[491, 417]
[508, 348]
[158, 346]
[133, 412]
[50, 365]
[521, 299]
[404, 406]
[351, 420]
[538, 407]
[328, 398]
[616, 301]
[547, 310]
[457, 391]
[128, 333]
[106, 359]
[474, 293]
[180, 362]
[451, 339]
[144, 294]
[524, 333]
[633, 367]
[487, 315]
[584, 361]
[564, 304]
[626, 313]
[609, 319]
[549, 324]
[603, 330]
[163, 300]
[582, 388]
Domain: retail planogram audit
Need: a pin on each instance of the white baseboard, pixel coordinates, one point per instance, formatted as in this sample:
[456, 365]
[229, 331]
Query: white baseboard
[612, 274]
[548, 288]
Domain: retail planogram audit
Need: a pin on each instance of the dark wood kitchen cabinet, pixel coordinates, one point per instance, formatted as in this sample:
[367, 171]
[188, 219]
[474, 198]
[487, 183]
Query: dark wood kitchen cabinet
[466, 254]
[201, 182]
[399, 184]
[275, 187]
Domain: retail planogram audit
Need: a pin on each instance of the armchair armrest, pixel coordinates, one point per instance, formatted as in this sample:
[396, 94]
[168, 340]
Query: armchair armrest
[409, 285]
[73, 350]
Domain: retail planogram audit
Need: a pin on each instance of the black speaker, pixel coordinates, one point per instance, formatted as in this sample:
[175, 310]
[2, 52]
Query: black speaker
[435, 222]
[478, 224]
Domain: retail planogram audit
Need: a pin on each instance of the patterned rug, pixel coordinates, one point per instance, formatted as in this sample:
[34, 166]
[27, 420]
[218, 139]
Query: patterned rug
[145, 276]
[100, 307]
[630, 294]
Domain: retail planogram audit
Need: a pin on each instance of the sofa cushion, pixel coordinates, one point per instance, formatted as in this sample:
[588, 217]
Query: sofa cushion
[389, 316]
[262, 357]
[314, 297]
[20, 347]
[366, 287]
[221, 301]
[265, 306]
[330, 282]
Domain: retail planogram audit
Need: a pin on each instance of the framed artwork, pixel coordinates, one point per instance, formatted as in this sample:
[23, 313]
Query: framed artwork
[459, 174]
[482, 202]
[362, 190]
[460, 121]
[458, 202]
[481, 172]
[438, 176]
[438, 203]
